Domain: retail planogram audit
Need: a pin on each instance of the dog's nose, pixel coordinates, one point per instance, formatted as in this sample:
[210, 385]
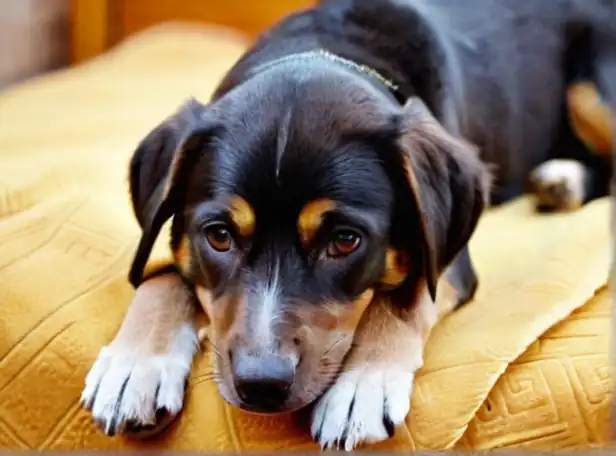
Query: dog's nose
[263, 383]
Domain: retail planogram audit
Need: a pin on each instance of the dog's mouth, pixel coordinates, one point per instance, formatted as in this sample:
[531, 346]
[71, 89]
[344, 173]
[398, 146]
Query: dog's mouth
[268, 400]
[264, 409]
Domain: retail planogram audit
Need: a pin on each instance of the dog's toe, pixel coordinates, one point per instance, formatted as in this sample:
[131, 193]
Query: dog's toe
[363, 406]
[560, 185]
[136, 394]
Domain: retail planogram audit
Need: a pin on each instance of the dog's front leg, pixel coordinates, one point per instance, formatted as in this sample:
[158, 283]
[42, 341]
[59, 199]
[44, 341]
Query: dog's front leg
[371, 396]
[137, 383]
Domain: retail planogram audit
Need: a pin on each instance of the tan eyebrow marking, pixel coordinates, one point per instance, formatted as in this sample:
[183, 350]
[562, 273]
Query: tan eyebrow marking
[311, 217]
[243, 215]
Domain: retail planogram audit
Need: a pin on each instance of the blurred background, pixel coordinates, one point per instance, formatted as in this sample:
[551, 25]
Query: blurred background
[37, 36]
[34, 38]
[65, 142]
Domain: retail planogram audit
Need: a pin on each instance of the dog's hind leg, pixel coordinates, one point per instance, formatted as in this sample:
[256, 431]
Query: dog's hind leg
[580, 170]
[604, 44]
[562, 185]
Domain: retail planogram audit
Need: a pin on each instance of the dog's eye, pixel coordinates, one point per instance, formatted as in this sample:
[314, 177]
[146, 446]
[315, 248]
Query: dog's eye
[342, 243]
[219, 237]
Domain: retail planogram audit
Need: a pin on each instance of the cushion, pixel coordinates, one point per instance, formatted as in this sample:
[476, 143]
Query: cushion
[524, 364]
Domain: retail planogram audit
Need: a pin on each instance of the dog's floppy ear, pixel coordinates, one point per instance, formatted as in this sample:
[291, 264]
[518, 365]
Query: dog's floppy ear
[449, 185]
[156, 171]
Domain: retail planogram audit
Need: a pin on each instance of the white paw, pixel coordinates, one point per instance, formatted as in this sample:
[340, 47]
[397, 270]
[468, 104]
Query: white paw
[559, 185]
[363, 406]
[129, 391]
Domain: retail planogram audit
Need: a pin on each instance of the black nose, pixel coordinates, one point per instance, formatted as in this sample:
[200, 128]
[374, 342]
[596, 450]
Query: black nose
[263, 382]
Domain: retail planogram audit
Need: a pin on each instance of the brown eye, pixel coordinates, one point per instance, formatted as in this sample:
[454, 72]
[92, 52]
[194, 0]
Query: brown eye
[219, 237]
[343, 242]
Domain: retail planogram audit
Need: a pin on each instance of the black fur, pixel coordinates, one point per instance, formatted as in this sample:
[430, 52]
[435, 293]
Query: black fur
[493, 72]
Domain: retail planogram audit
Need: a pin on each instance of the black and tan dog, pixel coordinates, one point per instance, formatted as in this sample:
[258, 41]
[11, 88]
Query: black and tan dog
[322, 202]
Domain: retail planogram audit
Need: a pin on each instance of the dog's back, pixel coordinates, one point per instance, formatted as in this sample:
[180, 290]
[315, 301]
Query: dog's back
[502, 63]
[509, 66]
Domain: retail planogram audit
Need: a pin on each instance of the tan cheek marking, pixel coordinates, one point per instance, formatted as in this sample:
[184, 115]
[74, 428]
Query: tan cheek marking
[182, 256]
[311, 217]
[222, 314]
[343, 316]
[359, 307]
[396, 268]
[242, 215]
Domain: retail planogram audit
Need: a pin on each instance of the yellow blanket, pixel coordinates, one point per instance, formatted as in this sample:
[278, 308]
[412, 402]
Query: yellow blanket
[525, 364]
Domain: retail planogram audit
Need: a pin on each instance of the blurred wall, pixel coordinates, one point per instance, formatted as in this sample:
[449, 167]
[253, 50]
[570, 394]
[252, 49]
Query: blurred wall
[34, 37]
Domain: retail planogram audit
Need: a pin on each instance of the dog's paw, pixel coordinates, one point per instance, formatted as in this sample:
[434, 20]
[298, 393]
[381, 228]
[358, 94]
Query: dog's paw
[559, 185]
[363, 406]
[128, 391]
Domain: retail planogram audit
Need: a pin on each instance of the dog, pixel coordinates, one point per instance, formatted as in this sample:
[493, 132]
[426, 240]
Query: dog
[322, 202]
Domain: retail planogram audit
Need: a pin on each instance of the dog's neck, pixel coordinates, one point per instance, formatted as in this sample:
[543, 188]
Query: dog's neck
[310, 57]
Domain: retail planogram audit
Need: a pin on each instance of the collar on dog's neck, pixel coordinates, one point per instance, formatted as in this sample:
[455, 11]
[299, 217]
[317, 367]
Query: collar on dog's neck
[322, 54]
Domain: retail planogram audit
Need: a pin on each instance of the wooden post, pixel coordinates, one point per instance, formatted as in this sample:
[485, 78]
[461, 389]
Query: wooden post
[96, 25]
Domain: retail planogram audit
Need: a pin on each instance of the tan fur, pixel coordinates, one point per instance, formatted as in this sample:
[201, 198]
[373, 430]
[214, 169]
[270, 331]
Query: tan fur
[161, 305]
[144, 369]
[386, 337]
[396, 268]
[336, 316]
[591, 119]
[325, 333]
[311, 217]
[376, 380]
[243, 216]
[182, 255]
[221, 313]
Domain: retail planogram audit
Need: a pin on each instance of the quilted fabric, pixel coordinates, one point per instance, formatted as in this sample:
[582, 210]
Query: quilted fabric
[525, 364]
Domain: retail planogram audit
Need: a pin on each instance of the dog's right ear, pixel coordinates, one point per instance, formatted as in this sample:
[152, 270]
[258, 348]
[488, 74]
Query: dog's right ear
[449, 185]
[156, 171]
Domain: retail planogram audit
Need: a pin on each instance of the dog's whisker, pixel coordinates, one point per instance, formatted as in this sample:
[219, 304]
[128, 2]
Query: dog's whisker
[208, 377]
[335, 343]
[215, 349]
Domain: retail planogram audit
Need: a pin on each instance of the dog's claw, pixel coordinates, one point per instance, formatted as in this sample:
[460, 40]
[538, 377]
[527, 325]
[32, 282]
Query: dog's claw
[390, 427]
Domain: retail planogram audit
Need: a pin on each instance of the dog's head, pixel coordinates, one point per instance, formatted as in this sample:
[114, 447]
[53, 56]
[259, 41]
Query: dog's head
[293, 204]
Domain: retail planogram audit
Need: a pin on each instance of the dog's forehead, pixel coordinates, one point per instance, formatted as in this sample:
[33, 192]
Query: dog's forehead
[327, 106]
[298, 143]
[282, 166]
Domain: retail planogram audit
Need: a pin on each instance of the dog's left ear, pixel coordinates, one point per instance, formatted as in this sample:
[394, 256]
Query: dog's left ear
[158, 173]
[449, 185]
